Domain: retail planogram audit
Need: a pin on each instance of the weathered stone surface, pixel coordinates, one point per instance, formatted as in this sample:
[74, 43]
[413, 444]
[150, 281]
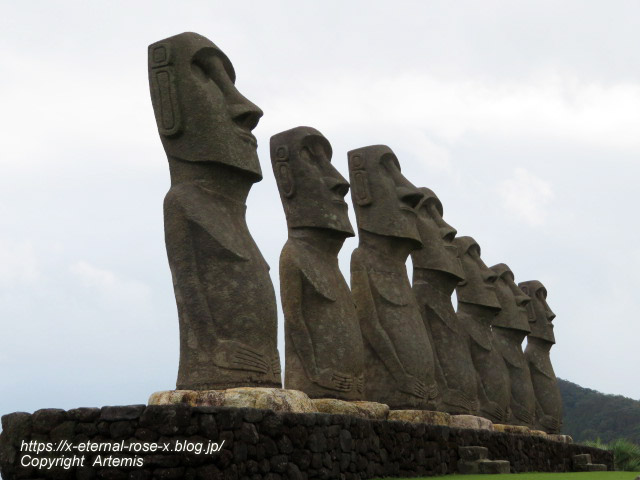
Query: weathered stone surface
[581, 459]
[428, 417]
[494, 467]
[45, 419]
[477, 308]
[468, 468]
[436, 272]
[226, 302]
[561, 438]
[537, 354]
[471, 422]
[471, 454]
[127, 412]
[509, 329]
[83, 414]
[516, 429]
[271, 444]
[324, 351]
[371, 410]
[538, 433]
[399, 362]
[276, 399]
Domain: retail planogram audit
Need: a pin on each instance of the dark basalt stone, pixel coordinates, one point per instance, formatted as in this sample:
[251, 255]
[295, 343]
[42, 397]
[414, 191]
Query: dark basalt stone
[205, 126]
[509, 328]
[436, 272]
[399, 361]
[537, 353]
[477, 307]
[324, 352]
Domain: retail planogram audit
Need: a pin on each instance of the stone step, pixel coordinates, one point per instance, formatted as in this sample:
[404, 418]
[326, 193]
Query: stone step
[590, 467]
[492, 467]
[470, 454]
[484, 466]
[582, 459]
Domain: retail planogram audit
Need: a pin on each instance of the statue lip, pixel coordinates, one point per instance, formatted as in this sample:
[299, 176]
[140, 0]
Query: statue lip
[247, 136]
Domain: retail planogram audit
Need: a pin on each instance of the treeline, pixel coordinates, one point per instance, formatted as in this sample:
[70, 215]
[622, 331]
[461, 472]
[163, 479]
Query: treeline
[591, 415]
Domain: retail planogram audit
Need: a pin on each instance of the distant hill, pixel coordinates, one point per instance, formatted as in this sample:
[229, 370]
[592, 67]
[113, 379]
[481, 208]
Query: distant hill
[589, 414]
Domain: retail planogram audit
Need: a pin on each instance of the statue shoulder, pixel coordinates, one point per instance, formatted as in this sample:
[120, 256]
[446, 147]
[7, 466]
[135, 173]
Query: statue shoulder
[314, 271]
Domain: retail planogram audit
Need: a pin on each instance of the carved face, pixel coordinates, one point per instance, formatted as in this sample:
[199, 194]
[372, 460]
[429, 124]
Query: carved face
[311, 189]
[438, 251]
[383, 198]
[479, 285]
[513, 301]
[201, 116]
[540, 315]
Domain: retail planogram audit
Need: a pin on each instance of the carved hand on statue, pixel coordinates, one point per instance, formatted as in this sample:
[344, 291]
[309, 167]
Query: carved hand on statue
[522, 414]
[494, 410]
[549, 423]
[457, 398]
[359, 383]
[413, 386]
[334, 380]
[275, 365]
[239, 356]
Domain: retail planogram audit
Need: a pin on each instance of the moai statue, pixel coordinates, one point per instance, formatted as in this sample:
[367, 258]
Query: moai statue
[509, 328]
[539, 343]
[436, 272]
[477, 308]
[226, 302]
[399, 363]
[324, 353]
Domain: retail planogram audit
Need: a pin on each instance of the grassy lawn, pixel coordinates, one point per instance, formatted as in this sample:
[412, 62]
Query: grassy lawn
[544, 476]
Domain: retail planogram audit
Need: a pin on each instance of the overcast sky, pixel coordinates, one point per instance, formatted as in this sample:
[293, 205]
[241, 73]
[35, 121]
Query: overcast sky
[522, 116]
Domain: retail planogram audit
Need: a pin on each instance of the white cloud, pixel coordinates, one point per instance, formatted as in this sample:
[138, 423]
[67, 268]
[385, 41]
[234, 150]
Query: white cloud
[527, 196]
[550, 105]
[111, 287]
[18, 263]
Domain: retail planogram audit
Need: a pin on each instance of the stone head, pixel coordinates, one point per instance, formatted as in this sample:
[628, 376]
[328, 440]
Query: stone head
[384, 200]
[540, 315]
[513, 300]
[438, 251]
[311, 189]
[478, 287]
[200, 114]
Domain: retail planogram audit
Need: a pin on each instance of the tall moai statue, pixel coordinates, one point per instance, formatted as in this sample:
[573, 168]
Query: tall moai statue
[323, 347]
[399, 362]
[226, 301]
[436, 272]
[537, 353]
[509, 328]
[477, 308]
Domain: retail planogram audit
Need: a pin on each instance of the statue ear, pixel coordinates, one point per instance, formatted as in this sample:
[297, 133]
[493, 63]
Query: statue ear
[360, 180]
[283, 172]
[163, 89]
[530, 311]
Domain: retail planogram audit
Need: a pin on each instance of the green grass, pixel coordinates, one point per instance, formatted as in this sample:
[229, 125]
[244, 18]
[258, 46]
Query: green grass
[543, 476]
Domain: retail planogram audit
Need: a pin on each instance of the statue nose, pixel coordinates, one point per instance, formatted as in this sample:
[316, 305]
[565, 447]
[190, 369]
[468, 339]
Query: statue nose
[522, 300]
[409, 196]
[337, 185]
[246, 114]
[448, 233]
[490, 276]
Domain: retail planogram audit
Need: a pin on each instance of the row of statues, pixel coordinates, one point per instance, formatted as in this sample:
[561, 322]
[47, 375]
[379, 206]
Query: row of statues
[383, 338]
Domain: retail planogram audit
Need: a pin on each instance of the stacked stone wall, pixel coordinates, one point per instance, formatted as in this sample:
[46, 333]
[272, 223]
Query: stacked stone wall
[261, 444]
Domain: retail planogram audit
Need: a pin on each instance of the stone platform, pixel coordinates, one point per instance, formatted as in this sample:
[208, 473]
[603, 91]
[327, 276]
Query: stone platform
[255, 443]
